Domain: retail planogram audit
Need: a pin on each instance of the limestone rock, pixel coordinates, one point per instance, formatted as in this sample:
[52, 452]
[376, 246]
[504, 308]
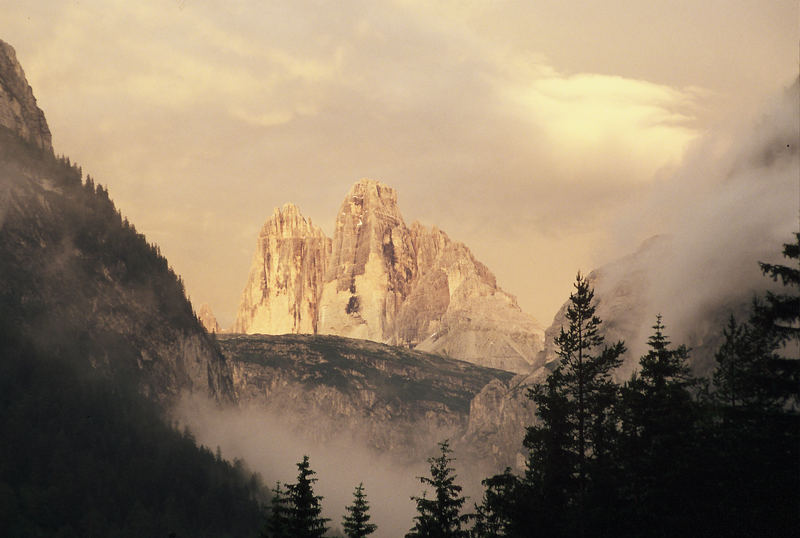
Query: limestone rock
[381, 280]
[286, 275]
[18, 109]
[461, 312]
[372, 265]
[207, 318]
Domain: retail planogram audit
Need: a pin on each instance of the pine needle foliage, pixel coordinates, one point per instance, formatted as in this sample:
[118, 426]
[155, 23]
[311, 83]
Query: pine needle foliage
[440, 516]
[356, 522]
[305, 520]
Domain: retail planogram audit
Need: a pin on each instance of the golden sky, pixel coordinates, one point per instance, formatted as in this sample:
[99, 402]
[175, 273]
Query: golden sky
[522, 128]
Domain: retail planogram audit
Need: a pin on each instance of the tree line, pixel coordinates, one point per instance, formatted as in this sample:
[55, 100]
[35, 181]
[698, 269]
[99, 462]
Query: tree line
[664, 453]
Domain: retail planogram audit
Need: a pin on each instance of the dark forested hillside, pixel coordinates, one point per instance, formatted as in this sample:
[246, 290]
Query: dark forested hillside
[95, 334]
[82, 457]
[75, 274]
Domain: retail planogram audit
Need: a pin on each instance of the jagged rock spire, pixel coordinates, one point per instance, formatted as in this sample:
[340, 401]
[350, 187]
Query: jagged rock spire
[384, 281]
[282, 291]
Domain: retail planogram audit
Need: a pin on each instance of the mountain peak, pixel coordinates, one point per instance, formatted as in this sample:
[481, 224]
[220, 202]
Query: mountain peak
[18, 109]
[287, 222]
[283, 285]
[380, 280]
[368, 183]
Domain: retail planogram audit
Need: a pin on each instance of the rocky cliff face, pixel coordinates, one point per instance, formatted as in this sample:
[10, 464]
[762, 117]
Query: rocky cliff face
[18, 109]
[372, 265]
[388, 282]
[498, 417]
[388, 398]
[284, 286]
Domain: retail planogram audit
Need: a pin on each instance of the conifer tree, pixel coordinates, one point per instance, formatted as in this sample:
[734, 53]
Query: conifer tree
[757, 384]
[658, 398]
[659, 419]
[735, 362]
[779, 313]
[278, 523]
[356, 522]
[577, 429]
[304, 507]
[549, 474]
[440, 517]
[758, 366]
[498, 514]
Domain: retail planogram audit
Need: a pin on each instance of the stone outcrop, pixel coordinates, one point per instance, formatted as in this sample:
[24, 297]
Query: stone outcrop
[18, 109]
[394, 400]
[207, 319]
[372, 266]
[498, 417]
[387, 282]
[283, 288]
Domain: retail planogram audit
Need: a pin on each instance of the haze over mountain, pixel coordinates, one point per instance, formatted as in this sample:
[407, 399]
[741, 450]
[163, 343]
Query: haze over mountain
[381, 280]
[76, 272]
[724, 215]
[89, 292]
[79, 282]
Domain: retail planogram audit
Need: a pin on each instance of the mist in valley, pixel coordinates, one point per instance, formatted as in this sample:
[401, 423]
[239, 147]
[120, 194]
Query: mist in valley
[272, 444]
[99, 336]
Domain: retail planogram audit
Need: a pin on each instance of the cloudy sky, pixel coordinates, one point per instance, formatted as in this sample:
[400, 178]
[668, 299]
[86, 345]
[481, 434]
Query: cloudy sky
[522, 128]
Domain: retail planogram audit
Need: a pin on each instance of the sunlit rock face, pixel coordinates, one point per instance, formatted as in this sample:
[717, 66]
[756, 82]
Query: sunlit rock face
[372, 265]
[387, 282]
[283, 288]
[18, 109]
[457, 309]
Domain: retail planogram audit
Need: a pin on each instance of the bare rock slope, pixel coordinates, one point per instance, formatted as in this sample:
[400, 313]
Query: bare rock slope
[18, 109]
[283, 287]
[381, 280]
[207, 319]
